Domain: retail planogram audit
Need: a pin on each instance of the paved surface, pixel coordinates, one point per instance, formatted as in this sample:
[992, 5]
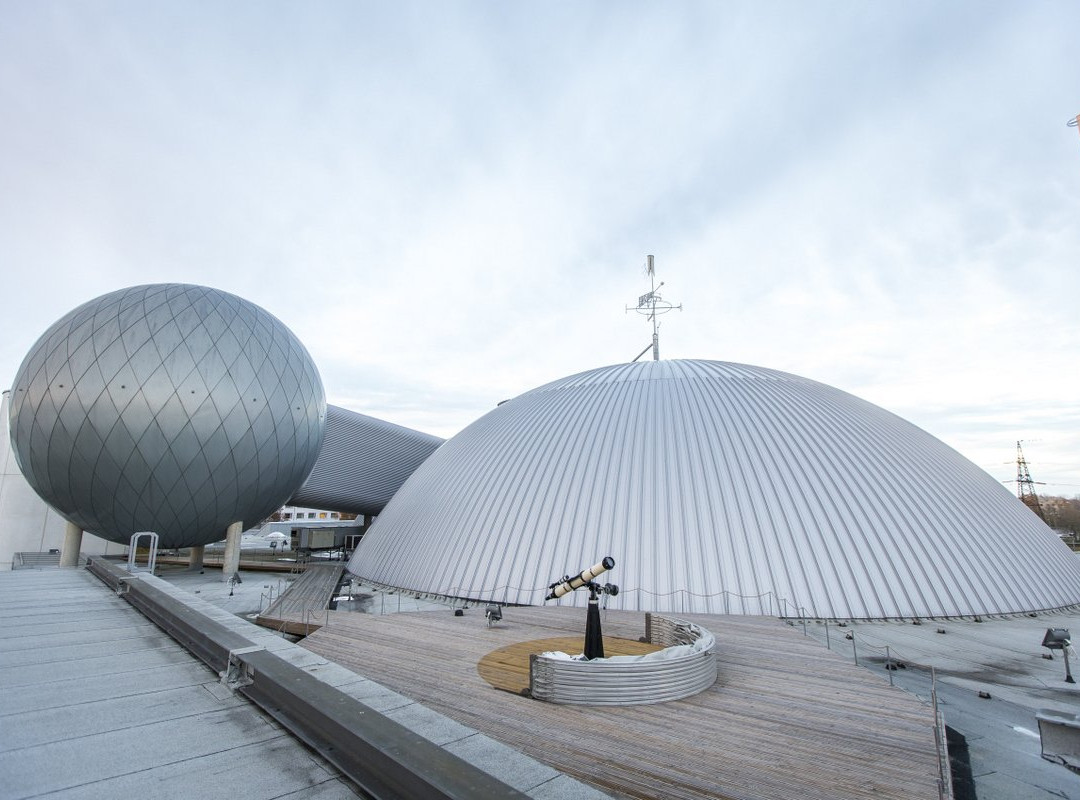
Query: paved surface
[1001, 657]
[99, 703]
[258, 590]
[245, 599]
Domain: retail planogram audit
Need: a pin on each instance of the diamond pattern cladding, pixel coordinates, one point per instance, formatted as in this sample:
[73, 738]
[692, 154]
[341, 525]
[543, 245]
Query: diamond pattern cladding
[169, 408]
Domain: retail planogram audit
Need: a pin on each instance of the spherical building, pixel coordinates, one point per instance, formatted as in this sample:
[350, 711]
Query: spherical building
[718, 488]
[168, 408]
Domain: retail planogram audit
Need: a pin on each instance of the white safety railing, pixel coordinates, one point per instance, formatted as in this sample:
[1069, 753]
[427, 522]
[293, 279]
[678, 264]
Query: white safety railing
[151, 550]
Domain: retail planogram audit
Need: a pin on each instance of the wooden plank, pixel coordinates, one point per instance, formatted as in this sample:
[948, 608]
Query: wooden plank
[508, 667]
[786, 718]
[248, 563]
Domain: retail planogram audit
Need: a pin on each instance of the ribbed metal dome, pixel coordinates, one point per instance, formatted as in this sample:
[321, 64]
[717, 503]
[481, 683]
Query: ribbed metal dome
[719, 488]
[363, 462]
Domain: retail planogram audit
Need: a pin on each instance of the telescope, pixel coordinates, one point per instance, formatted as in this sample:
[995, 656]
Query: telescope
[594, 638]
[566, 584]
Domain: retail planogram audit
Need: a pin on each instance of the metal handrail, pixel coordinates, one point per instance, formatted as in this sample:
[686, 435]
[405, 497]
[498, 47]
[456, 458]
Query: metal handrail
[941, 741]
[634, 682]
[944, 779]
[309, 617]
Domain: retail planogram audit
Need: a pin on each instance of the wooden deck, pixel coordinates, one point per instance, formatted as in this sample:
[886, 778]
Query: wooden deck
[508, 667]
[301, 608]
[785, 719]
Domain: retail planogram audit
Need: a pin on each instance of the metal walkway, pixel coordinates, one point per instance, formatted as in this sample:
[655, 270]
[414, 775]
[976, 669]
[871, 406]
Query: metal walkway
[301, 608]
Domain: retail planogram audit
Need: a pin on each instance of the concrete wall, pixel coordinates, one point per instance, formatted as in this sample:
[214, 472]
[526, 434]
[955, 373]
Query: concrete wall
[27, 524]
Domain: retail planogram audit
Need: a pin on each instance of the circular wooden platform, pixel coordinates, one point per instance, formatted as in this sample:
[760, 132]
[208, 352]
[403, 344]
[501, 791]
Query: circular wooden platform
[508, 667]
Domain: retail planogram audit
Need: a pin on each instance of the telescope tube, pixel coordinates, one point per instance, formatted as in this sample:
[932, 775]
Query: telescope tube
[581, 579]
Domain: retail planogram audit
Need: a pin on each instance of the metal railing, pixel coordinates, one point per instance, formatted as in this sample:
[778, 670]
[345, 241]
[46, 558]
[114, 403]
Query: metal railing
[944, 780]
[891, 662]
[36, 560]
[618, 681]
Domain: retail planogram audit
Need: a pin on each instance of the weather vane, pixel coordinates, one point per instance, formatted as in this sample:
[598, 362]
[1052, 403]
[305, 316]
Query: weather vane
[651, 304]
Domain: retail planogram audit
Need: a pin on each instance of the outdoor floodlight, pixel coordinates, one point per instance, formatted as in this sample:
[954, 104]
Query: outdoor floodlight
[1059, 639]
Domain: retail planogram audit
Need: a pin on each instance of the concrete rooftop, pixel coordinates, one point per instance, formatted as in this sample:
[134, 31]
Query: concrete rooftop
[1001, 657]
[100, 703]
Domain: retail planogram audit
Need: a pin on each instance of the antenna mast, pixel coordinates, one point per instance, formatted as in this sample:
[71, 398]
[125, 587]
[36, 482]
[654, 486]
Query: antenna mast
[1025, 486]
[650, 304]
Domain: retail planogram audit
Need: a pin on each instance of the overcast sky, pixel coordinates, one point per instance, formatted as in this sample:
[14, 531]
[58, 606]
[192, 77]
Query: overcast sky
[450, 203]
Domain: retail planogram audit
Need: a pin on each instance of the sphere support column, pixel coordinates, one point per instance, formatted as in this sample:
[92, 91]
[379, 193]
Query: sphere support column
[195, 558]
[230, 564]
[69, 553]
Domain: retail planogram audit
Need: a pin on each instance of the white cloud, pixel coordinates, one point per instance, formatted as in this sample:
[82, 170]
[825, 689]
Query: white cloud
[450, 204]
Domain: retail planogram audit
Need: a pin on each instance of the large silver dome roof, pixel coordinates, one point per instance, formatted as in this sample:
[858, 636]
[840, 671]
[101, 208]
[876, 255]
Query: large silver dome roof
[169, 408]
[718, 488]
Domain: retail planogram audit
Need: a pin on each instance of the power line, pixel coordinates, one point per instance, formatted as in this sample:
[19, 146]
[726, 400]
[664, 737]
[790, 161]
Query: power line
[1025, 486]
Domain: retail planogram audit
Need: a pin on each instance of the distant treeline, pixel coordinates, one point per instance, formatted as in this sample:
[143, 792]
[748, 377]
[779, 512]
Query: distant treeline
[1062, 513]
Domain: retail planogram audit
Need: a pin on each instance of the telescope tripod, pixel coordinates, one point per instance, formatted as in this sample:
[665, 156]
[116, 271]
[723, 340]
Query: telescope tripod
[594, 637]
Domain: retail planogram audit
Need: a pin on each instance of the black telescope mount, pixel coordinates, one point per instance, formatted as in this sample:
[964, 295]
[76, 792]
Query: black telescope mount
[594, 638]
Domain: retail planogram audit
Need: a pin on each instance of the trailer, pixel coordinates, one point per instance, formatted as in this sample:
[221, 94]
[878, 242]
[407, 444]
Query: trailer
[325, 537]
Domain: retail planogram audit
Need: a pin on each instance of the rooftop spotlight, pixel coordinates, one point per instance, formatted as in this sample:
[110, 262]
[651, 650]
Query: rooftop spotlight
[1059, 639]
